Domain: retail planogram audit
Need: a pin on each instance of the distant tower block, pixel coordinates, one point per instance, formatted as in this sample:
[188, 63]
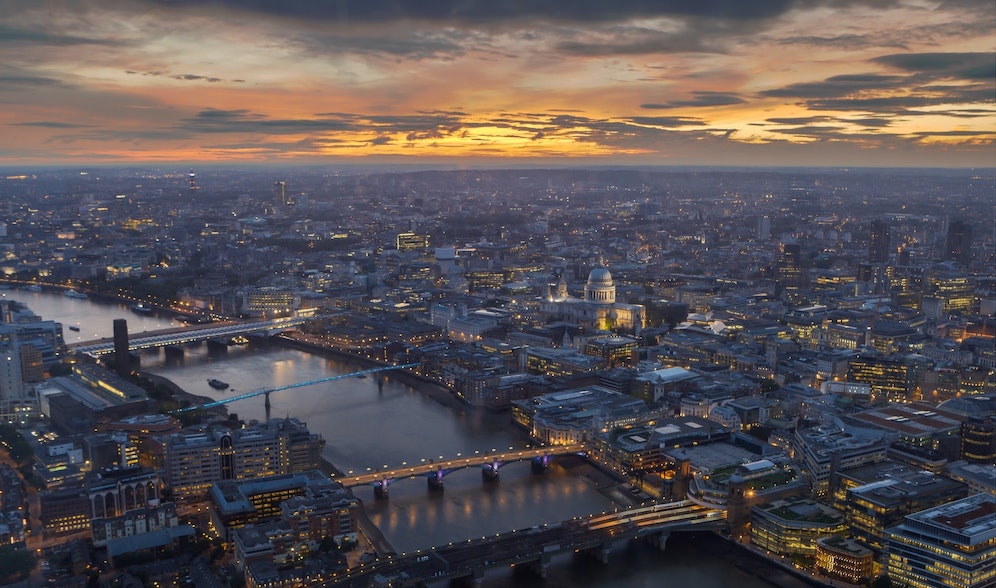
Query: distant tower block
[878, 242]
[192, 178]
[279, 194]
[959, 242]
[122, 359]
[281, 197]
[764, 228]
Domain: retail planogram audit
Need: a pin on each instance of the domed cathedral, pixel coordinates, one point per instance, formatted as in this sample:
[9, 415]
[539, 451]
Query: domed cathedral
[598, 309]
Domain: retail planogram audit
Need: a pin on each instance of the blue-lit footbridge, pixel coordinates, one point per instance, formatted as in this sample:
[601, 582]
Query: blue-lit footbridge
[267, 391]
[532, 548]
[434, 471]
[189, 334]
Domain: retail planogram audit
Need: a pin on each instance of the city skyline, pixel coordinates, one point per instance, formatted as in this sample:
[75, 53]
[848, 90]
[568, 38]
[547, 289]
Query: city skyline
[774, 83]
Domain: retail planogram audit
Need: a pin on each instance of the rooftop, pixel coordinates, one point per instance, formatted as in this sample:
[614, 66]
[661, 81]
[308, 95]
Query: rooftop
[972, 518]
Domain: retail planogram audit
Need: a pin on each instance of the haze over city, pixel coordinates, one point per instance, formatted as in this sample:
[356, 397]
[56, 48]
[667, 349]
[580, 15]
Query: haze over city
[501, 293]
[773, 82]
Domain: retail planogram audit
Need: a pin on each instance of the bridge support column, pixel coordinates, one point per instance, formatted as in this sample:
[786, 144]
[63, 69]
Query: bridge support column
[266, 402]
[540, 464]
[603, 553]
[478, 578]
[661, 540]
[380, 489]
[435, 480]
[541, 566]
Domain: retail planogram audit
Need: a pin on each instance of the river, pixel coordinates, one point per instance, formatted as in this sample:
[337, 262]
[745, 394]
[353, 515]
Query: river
[370, 426]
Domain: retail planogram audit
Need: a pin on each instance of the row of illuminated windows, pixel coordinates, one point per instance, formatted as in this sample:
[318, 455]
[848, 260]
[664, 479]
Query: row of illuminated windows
[949, 551]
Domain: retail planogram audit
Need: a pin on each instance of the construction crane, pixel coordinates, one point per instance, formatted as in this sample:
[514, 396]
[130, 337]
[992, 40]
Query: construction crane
[266, 391]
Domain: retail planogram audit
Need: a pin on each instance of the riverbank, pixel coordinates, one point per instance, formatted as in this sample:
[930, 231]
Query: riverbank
[606, 484]
[182, 396]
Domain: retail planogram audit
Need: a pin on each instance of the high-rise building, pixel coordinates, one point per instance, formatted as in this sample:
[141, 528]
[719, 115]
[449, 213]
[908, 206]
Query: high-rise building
[12, 390]
[891, 378]
[32, 364]
[411, 241]
[949, 545]
[194, 461]
[947, 292]
[844, 559]
[978, 440]
[122, 358]
[764, 228]
[65, 511]
[269, 301]
[29, 328]
[959, 242]
[789, 268]
[876, 497]
[878, 242]
[826, 450]
[281, 197]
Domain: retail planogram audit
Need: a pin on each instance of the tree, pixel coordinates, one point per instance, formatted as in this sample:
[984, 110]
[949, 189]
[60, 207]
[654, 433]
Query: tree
[15, 563]
[60, 369]
[17, 445]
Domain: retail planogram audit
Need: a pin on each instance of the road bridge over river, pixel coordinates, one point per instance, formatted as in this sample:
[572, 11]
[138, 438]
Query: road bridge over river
[434, 471]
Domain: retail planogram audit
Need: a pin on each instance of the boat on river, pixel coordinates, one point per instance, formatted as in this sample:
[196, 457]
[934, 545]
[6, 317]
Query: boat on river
[74, 328]
[75, 294]
[217, 384]
[141, 308]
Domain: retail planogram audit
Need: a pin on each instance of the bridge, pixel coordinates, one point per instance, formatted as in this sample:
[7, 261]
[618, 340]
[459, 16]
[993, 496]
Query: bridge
[434, 471]
[266, 391]
[534, 547]
[187, 334]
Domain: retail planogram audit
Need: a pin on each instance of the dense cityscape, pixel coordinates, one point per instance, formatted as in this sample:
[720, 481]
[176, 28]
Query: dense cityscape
[796, 363]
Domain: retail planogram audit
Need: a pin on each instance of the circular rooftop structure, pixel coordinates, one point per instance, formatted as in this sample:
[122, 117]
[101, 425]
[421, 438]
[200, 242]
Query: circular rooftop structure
[972, 406]
[600, 276]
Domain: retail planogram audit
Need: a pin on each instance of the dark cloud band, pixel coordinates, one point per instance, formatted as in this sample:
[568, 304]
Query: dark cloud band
[499, 10]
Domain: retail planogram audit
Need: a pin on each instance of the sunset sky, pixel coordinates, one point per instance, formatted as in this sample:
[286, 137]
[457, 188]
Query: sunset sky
[601, 82]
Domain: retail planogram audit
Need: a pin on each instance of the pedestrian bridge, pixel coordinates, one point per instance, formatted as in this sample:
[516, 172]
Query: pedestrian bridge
[187, 334]
[435, 470]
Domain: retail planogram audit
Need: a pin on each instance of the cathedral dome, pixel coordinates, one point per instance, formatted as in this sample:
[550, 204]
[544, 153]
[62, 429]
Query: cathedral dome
[600, 277]
[600, 289]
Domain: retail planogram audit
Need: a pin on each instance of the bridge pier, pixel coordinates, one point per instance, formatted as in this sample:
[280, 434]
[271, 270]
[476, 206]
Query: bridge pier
[215, 345]
[603, 553]
[489, 472]
[660, 540]
[540, 464]
[266, 402]
[173, 351]
[541, 566]
[478, 578]
[380, 489]
[435, 480]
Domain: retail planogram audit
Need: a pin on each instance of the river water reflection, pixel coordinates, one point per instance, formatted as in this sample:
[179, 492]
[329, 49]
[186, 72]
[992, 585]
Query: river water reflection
[370, 426]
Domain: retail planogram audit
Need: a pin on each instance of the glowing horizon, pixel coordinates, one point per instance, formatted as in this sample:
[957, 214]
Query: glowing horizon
[643, 82]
